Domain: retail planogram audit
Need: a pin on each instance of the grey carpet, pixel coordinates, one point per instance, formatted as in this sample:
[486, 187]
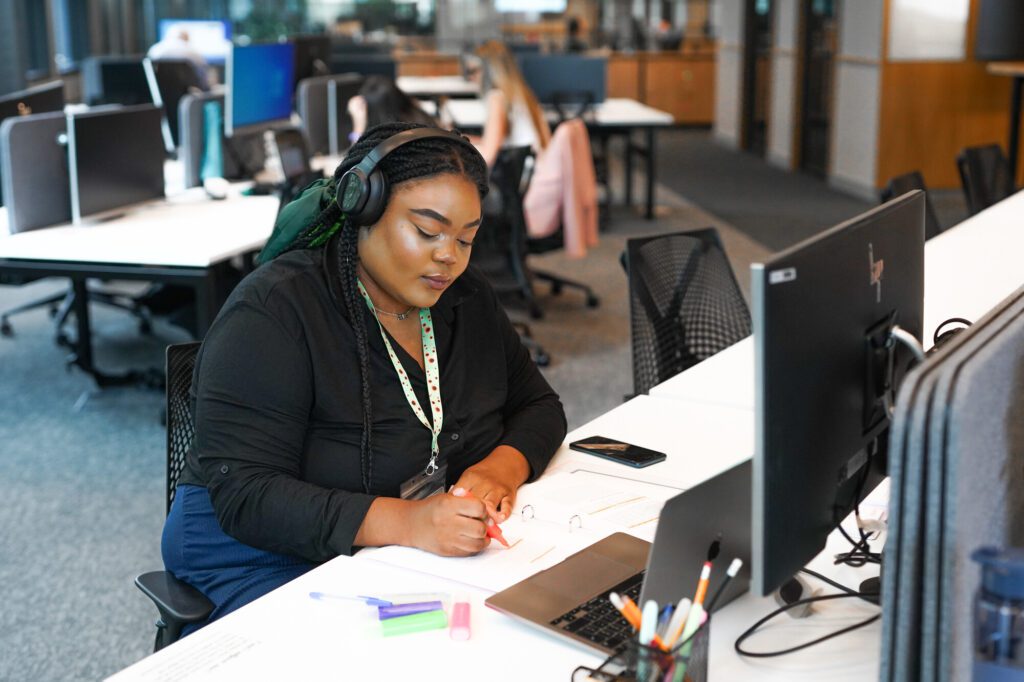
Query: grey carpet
[772, 206]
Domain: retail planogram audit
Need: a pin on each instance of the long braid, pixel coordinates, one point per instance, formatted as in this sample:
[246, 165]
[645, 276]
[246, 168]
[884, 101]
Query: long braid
[414, 161]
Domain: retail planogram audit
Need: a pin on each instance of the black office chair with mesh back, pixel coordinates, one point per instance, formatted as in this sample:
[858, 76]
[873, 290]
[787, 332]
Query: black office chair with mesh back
[685, 304]
[985, 175]
[179, 604]
[900, 185]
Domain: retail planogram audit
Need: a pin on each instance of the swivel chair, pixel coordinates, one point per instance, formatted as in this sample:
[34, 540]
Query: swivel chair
[901, 184]
[985, 175]
[179, 603]
[684, 302]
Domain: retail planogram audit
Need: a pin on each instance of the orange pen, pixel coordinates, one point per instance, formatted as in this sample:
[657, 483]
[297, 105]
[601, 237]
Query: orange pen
[493, 530]
[631, 612]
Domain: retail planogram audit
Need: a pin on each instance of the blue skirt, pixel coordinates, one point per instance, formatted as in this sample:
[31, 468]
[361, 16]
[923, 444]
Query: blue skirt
[231, 574]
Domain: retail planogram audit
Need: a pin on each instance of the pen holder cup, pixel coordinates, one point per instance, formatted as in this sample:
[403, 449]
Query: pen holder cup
[641, 663]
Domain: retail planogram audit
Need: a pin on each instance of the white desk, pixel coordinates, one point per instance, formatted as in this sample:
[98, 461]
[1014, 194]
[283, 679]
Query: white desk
[726, 378]
[186, 239]
[615, 116]
[432, 87]
[969, 269]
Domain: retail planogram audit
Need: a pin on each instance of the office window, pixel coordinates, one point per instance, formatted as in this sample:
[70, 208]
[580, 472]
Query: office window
[928, 29]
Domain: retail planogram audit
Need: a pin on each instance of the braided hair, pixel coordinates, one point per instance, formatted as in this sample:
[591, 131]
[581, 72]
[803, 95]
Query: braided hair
[417, 160]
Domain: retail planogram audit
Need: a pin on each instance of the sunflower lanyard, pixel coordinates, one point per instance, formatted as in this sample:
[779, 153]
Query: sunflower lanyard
[430, 365]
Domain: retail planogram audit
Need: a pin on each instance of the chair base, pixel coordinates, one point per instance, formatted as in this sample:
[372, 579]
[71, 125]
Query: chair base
[558, 283]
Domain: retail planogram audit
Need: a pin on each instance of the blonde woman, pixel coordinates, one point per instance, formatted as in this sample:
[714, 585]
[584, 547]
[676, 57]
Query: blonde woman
[563, 190]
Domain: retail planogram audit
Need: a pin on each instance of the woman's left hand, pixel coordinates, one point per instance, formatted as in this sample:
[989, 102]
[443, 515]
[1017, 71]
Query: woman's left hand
[495, 479]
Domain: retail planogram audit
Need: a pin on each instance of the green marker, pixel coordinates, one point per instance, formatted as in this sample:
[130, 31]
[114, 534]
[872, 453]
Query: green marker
[417, 622]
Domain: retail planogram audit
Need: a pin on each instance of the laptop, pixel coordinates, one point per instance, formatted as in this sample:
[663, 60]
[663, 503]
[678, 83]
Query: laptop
[570, 599]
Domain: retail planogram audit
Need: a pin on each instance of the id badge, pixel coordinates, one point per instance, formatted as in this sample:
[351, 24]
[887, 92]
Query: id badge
[421, 486]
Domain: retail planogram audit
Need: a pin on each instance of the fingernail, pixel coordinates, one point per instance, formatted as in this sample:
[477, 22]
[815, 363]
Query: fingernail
[490, 522]
[459, 492]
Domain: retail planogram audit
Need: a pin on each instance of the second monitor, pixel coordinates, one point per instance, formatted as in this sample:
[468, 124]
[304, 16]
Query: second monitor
[827, 319]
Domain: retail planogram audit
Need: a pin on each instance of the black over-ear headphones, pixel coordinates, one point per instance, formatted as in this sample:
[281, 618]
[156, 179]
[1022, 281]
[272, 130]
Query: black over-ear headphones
[362, 192]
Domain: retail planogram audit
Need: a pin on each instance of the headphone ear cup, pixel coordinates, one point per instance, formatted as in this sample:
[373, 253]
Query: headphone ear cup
[376, 199]
[351, 193]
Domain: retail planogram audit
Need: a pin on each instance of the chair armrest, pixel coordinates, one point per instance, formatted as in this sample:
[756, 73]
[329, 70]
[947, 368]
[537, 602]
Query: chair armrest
[174, 599]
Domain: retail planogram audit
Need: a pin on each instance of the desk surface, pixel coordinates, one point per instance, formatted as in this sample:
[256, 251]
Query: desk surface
[436, 86]
[614, 112]
[968, 270]
[187, 230]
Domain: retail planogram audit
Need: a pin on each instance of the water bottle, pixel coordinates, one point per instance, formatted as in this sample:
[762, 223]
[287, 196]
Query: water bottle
[999, 616]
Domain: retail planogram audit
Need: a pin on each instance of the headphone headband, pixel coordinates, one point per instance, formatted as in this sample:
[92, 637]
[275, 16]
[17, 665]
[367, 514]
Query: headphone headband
[361, 191]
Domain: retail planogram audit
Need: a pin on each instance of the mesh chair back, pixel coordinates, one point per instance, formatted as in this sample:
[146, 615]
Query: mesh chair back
[181, 362]
[685, 303]
[985, 175]
[499, 249]
[902, 184]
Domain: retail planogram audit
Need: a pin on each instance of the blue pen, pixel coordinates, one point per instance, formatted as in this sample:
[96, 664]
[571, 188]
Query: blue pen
[369, 601]
[663, 620]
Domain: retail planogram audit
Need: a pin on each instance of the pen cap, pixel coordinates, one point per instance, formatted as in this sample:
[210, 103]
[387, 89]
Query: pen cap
[461, 618]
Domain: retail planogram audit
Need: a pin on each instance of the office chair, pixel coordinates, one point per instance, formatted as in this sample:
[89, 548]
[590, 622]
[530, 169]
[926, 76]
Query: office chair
[179, 603]
[985, 175]
[900, 185]
[62, 304]
[499, 250]
[685, 304]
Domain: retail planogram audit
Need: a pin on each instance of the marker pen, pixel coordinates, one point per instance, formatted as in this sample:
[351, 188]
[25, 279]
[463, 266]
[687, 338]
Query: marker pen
[418, 622]
[460, 630]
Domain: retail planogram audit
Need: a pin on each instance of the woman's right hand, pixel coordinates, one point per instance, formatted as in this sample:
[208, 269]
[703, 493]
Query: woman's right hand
[449, 525]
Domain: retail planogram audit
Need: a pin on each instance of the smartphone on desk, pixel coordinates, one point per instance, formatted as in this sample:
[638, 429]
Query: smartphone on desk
[617, 451]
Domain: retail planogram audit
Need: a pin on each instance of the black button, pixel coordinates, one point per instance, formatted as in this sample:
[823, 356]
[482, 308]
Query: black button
[455, 436]
[224, 468]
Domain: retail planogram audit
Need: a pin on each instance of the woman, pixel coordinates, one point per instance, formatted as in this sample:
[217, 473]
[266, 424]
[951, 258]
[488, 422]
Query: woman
[381, 101]
[563, 189]
[311, 438]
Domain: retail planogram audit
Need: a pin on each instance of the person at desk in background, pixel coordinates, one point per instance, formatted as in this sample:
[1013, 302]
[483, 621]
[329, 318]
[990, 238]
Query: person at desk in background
[563, 187]
[311, 439]
[176, 45]
[573, 43]
[381, 101]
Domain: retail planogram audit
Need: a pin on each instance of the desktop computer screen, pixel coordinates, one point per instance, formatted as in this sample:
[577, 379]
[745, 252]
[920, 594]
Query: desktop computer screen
[37, 100]
[549, 75]
[169, 81]
[259, 87]
[115, 80]
[115, 159]
[999, 31]
[211, 39]
[827, 367]
[312, 56]
[365, 65]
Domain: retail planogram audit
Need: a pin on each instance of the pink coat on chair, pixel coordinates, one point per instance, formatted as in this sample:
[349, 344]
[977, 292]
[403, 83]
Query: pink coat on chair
[563, 191]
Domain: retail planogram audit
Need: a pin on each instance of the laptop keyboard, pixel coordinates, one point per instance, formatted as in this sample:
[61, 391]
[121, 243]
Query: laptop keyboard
[598, 621]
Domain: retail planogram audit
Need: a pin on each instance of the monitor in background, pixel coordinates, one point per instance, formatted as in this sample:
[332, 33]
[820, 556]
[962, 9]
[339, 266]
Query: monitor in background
[827, 367]
[312, 56]
[365, 65]
[340, 89]
[530, 6]
[37, 100]
[115, 159]
[210, 38]
[169, 81]
[115, 80]
[551, 76]
[259, 87]
[1000, 31]
[293, 154]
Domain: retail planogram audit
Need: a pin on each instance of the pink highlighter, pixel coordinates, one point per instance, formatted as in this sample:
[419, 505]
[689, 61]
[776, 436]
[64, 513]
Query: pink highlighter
[460, 619]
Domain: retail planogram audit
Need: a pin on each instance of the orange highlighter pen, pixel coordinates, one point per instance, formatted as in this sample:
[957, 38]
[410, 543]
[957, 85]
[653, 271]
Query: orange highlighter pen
[493, 530]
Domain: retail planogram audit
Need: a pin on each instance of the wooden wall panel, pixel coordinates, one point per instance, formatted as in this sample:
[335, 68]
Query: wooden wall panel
[624, 77]
[682, 85]
[932, 110]
[429, 64]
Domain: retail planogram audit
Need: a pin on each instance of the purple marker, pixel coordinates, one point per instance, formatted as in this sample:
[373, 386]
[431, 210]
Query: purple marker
[396, 610]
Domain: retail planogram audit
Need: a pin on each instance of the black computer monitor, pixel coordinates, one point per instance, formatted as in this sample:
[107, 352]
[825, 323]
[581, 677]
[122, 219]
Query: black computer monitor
[1000, 31]
[169, 80]
[552, 75]
[827, 366]
[211, 38]
[259, 87]
[340, 89]
[115, 159]
[115, 80]
[366, 65]
[312, 56]
[37, 100]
